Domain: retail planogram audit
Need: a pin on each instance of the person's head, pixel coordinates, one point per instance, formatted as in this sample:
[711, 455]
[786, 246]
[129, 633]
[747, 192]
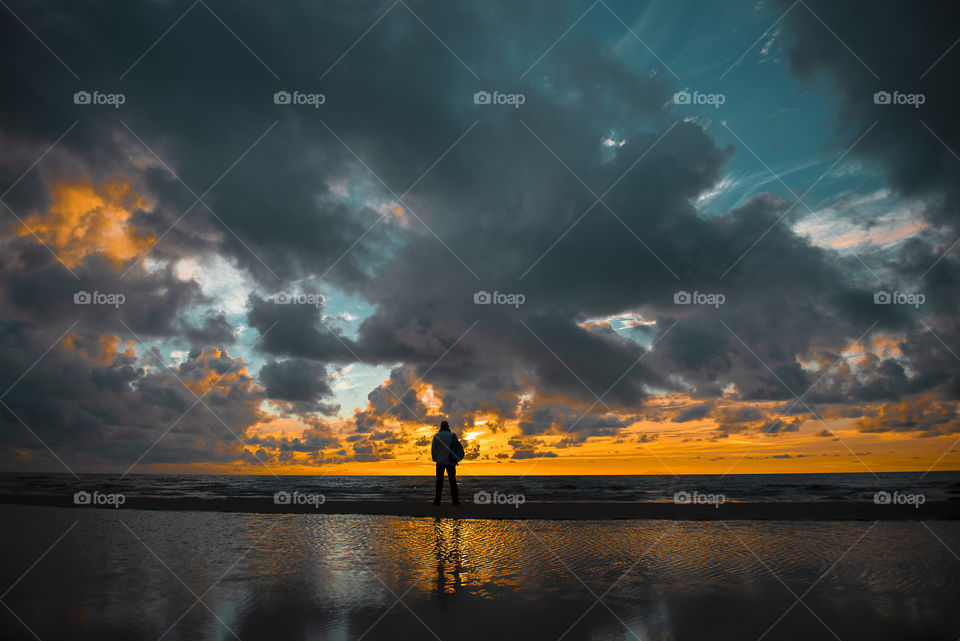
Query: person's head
[444, 426]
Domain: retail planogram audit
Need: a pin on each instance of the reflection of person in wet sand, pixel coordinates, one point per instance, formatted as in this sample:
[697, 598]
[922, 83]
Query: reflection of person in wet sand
[446, 452]
[448, 552]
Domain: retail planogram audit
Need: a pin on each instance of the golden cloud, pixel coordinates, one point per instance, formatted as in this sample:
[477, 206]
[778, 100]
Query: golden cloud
[107, 348]
[86, 219]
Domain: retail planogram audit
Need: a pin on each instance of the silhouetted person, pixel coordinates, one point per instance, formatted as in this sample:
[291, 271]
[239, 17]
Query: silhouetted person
[446, 452]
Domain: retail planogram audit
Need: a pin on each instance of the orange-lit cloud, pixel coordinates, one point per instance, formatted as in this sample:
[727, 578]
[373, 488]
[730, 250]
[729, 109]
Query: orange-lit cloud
[596, 324]
[107, 347]
[211, 380]
[725, 435]
[922, 414]
[882, 237]
[89, 219]
[430, 397]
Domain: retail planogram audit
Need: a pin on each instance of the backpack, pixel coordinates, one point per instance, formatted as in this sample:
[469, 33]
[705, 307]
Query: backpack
[456, 450]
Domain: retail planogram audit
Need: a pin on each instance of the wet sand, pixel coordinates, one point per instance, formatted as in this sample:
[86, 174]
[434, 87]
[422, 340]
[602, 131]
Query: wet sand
[806, 511]
[138, 574]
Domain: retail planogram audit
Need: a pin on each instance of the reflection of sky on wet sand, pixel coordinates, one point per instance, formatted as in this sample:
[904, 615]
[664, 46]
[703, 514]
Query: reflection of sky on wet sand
[340, 577]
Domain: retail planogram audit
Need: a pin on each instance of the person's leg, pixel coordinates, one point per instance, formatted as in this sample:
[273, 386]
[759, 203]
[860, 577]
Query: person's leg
[439, 493]
[454, 494]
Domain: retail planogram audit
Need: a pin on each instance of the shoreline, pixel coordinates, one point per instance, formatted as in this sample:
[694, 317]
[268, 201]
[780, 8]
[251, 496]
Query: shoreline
[760, 511]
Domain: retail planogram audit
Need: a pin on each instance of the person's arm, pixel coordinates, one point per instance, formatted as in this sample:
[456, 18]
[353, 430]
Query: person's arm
[433, 448]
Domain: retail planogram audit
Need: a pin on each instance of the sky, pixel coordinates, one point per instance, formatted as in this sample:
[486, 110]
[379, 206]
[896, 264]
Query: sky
[598, 238]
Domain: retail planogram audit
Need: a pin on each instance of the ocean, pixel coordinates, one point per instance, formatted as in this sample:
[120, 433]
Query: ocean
[787, 488]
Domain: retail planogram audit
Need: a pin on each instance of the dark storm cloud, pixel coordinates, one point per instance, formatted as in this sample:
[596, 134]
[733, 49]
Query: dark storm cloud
[778, 426]
[920, 414]
[497, 211]
[93, 404]
[901, 47]
[215, 330]
[576, 429]
[593, 425]
[294, 380]
[498, 200]
[737, 419]
[366, 450]
[295, 329]
[529, 448]
[39, 289]
[478, 386]
[929, 350]
[693, 413]
[97, 408]
[785, 298]
[198, 127]
[313, 440]
[575, 426]
[299, 381]
[395, 400]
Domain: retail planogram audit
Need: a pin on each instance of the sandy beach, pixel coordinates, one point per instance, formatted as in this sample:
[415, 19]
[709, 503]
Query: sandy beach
[184, 575]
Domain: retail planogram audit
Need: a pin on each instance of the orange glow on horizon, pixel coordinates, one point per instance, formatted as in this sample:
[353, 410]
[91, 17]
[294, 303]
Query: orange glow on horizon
[731, 436]
[645, 448]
